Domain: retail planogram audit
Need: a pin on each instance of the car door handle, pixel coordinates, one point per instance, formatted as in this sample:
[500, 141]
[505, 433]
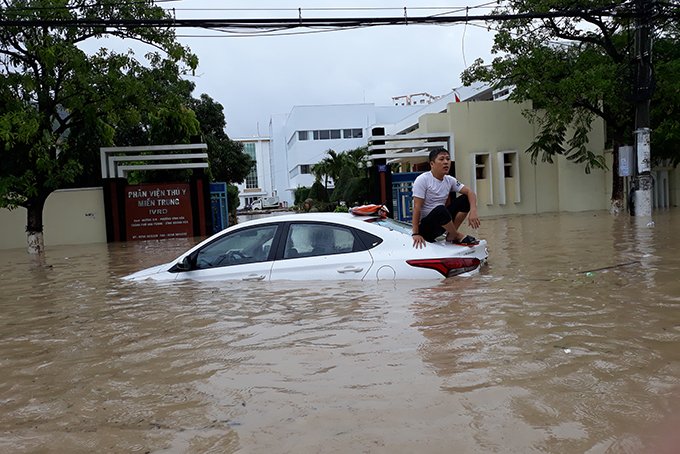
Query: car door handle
[350, 269]
[254, 277]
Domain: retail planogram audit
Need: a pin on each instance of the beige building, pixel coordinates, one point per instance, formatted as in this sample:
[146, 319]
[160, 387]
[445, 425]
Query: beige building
[488, 140]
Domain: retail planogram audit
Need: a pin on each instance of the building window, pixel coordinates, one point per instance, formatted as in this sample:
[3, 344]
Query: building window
[509, 185]
[251, 179]
[301, 169]
[481, 161]
[328, 134]
[482, 178]
[356, 133]
[249, 149]
[507, 164]
[303, 135]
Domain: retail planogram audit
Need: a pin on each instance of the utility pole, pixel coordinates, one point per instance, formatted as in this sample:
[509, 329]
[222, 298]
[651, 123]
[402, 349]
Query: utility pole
[643, 94]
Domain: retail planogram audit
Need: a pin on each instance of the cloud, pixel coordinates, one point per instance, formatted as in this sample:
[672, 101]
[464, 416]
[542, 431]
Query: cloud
[255, 77]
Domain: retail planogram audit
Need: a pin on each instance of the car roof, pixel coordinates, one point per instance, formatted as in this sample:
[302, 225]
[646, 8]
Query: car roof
[342, 218]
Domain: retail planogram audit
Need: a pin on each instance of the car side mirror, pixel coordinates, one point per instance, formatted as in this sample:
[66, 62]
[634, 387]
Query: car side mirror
[184, 264]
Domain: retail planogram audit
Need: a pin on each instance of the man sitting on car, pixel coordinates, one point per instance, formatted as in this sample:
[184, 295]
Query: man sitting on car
[432, 216]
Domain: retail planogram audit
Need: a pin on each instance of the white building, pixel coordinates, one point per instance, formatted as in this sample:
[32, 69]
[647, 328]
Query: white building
[413, 99]
[259, 181]
[301, 138]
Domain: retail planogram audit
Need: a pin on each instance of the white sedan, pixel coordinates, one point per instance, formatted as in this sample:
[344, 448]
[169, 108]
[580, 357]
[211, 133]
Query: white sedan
[318, 246]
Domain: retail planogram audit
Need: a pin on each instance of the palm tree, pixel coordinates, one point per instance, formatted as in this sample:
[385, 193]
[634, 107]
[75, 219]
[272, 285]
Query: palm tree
[336, 161]
[320, 171]
[333, 164]
[328, 167]
[356, 160]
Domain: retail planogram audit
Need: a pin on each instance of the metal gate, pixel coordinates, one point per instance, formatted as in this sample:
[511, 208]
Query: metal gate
[219, 206]
[402, 195]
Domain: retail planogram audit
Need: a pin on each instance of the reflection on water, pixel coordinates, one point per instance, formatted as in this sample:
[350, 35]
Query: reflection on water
[566, 342]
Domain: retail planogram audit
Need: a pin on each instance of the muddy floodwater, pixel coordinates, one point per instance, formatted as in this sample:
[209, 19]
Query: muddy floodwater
[568, 341]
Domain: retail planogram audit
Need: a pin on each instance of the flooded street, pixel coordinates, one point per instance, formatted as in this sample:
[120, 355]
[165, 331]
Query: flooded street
[568, 341]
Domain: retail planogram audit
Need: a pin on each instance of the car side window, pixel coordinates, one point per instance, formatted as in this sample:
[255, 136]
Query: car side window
[311, 240]
[243, 246]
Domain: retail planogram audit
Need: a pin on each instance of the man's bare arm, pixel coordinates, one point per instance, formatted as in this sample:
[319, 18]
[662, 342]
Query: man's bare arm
[418, 240]
[473, 217]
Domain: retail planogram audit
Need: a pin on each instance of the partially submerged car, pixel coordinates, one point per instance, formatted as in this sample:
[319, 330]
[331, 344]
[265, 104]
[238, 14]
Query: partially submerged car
[318, 246]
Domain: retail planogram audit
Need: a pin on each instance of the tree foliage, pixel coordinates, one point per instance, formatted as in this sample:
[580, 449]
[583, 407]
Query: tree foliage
[232, 198]
[348, 172]
[318, 192]
[577, 69]
[227, 161]
[300, 194]
[60, 104]
[56, 101]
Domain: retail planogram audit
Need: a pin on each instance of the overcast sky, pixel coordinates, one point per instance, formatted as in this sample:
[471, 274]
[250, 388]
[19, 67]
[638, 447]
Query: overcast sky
[255, 77]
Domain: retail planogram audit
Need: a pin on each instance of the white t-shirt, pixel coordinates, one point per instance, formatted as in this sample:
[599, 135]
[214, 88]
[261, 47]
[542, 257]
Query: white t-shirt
[434, 192]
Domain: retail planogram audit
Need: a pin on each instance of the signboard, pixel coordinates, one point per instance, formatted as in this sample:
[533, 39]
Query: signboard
[626, 161]
[155, 211]
[643, 163]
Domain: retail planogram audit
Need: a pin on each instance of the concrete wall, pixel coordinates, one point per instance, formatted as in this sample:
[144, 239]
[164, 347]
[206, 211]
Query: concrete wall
[71, 216]
[491, 130]
[674, 188]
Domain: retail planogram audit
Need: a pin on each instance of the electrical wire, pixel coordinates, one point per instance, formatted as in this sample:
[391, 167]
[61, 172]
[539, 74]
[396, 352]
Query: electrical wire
[270, 26]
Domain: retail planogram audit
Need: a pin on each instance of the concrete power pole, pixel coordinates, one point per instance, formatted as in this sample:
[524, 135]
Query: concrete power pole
[643, 95]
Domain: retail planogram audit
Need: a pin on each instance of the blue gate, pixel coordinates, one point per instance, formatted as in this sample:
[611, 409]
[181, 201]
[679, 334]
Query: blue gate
[219, 206]
[402, 195]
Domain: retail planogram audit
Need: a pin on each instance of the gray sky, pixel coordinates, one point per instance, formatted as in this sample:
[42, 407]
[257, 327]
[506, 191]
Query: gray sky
[255, 77]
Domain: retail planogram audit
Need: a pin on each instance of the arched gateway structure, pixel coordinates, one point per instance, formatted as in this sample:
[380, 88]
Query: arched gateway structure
[155, 210]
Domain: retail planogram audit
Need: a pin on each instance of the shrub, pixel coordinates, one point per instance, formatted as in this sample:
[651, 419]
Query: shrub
[300, 194]
[318, 192]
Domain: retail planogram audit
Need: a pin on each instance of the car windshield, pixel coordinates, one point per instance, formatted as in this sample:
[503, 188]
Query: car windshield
[391, 224]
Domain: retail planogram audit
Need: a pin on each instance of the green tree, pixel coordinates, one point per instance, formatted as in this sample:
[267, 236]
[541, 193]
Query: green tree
[149, 107]
[318, 192]
[321, 171]
[232, 202]
[665, 112]
[357, 191]
[329, 167]
[300, 193]
[228, 162]
[341, 184]
[348, 171]
[356, 160]
[52, 91]
[334, 163]
[577, 69]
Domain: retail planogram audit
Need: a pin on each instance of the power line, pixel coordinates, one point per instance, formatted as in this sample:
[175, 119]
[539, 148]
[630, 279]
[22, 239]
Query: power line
[338, 22]
[487, 5]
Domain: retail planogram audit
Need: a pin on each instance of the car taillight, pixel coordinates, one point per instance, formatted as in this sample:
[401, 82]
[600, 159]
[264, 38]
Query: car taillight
[451, 266]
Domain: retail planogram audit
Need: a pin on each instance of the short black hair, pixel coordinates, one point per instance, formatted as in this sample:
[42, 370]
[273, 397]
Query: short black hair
[436, 152]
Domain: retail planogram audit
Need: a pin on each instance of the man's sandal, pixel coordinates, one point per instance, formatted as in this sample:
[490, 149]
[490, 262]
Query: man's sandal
[467, 241]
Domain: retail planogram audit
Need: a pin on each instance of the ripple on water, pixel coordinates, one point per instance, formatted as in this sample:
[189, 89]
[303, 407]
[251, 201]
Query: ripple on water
[532, 355]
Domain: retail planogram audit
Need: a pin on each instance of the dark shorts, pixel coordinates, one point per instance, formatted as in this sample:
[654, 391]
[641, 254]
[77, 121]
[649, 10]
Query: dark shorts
[431, 226]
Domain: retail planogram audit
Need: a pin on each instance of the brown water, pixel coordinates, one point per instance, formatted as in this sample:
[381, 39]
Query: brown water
[567, 342]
